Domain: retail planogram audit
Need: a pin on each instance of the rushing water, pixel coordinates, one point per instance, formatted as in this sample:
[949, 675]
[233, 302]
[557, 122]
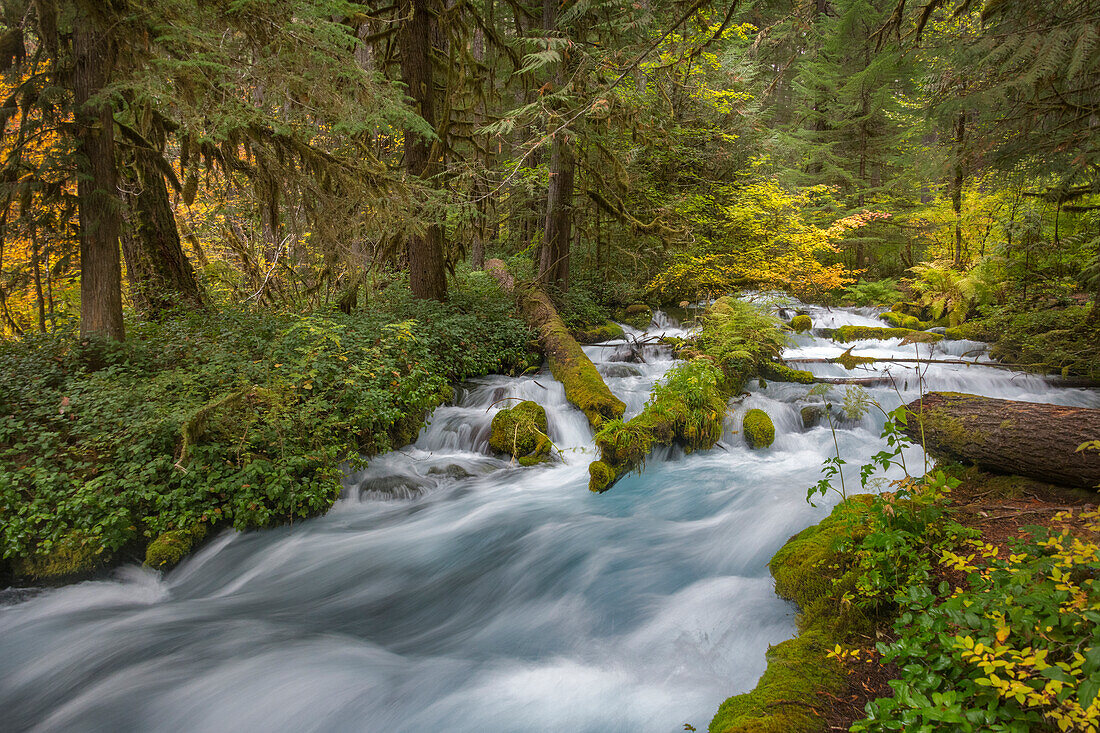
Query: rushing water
[452, 591]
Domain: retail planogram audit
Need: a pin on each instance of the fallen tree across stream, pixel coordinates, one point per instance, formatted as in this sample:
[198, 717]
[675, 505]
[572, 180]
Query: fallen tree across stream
[584, 387]
[1004, 436]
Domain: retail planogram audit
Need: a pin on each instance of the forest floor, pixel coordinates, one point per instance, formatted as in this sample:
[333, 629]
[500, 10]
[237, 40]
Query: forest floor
[1001, 508]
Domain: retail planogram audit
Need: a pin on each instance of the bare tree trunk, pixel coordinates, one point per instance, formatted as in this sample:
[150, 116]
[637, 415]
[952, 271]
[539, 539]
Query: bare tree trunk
[159, 273]
[427, 277]
[36, 266]
[554, 256]
[957, 185]
[97, 189]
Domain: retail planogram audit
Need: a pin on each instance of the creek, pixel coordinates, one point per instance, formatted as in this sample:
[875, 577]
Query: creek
[450, 590]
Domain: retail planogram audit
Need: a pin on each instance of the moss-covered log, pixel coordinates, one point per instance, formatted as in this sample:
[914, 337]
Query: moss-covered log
[865, 333]
[584, 387]
[1004, 436]
[687, 409]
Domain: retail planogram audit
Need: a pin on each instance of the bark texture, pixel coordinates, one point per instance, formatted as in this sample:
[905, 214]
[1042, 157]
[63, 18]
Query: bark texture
[584, 387]
[97, 187]
[1004, 436]
[427, 275]
[159, 272]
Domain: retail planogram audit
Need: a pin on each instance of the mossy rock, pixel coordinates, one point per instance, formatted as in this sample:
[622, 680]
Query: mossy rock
[758, 429]
[606, 332]
[955, 333]
[74, 555]
[637, 316]
[894, 318]
[521, 431]
[801, 324]
[812, 415]
[845, 334]
[170, 547]
[600, 476]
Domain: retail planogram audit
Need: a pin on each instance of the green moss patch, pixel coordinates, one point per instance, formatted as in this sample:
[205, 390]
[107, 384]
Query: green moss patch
[780, 372]
[758, 429]
[792, 693]
[520, 432]
[637, 316]
[170, 547]
[74, 555]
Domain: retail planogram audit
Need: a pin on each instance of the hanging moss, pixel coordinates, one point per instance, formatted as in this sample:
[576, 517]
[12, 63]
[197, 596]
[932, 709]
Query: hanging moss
[845, 334]
[801, 324]
[170, 547]
[521, 432]
[758, 429]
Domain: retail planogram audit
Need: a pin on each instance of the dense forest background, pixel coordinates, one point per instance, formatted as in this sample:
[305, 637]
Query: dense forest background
[304, 154]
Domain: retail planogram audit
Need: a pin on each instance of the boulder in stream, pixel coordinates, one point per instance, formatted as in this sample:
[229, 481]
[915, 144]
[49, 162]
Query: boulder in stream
[758, 429]
[520, 432]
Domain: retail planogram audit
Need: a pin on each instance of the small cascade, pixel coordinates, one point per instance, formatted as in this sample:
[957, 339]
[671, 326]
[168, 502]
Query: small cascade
[451, 589]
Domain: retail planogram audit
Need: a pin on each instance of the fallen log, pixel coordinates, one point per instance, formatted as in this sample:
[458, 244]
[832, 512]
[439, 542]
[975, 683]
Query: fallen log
[1004, 436]
[584, 387]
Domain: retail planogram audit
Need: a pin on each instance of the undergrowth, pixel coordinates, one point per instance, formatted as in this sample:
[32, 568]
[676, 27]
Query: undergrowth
[239, 417]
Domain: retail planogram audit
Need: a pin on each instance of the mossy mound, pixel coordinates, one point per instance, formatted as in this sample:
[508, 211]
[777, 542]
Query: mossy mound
[845, 334]
[894, 318]
[606, 332]
[520, 432]
[758, 429]
[169, 548]
[807, 571]
[786, 698]
[801, 324]
[74, 555]
[637, 316]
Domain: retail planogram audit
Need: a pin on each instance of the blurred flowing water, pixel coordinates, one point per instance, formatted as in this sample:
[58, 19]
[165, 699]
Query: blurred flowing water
[450, 590]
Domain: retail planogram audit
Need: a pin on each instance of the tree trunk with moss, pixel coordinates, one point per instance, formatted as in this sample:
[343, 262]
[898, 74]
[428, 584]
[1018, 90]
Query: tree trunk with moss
[584, 387]
[1003, 436]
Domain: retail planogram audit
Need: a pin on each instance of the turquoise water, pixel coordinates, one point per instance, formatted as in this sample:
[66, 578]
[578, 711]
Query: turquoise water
[452, 591]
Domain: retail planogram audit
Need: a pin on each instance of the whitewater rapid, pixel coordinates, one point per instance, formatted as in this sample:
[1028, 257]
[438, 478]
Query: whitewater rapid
[451, 590]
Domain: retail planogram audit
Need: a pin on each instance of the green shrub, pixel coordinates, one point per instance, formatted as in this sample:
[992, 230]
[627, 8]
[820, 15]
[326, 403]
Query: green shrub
[267, 405]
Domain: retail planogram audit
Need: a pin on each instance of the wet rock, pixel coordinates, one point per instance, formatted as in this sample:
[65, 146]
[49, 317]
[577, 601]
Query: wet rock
[620, 371]
[812, 415]
[520, 431]
[451, 470]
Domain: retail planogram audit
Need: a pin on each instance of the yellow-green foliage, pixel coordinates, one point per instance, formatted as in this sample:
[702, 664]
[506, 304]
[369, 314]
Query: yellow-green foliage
[520, 431]
[863, 333]
[170, 547]
[740, 337]
[801, 324]
[606, 332]
[799, 671]
[758, 428]
[74, 554]
[764, 242]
